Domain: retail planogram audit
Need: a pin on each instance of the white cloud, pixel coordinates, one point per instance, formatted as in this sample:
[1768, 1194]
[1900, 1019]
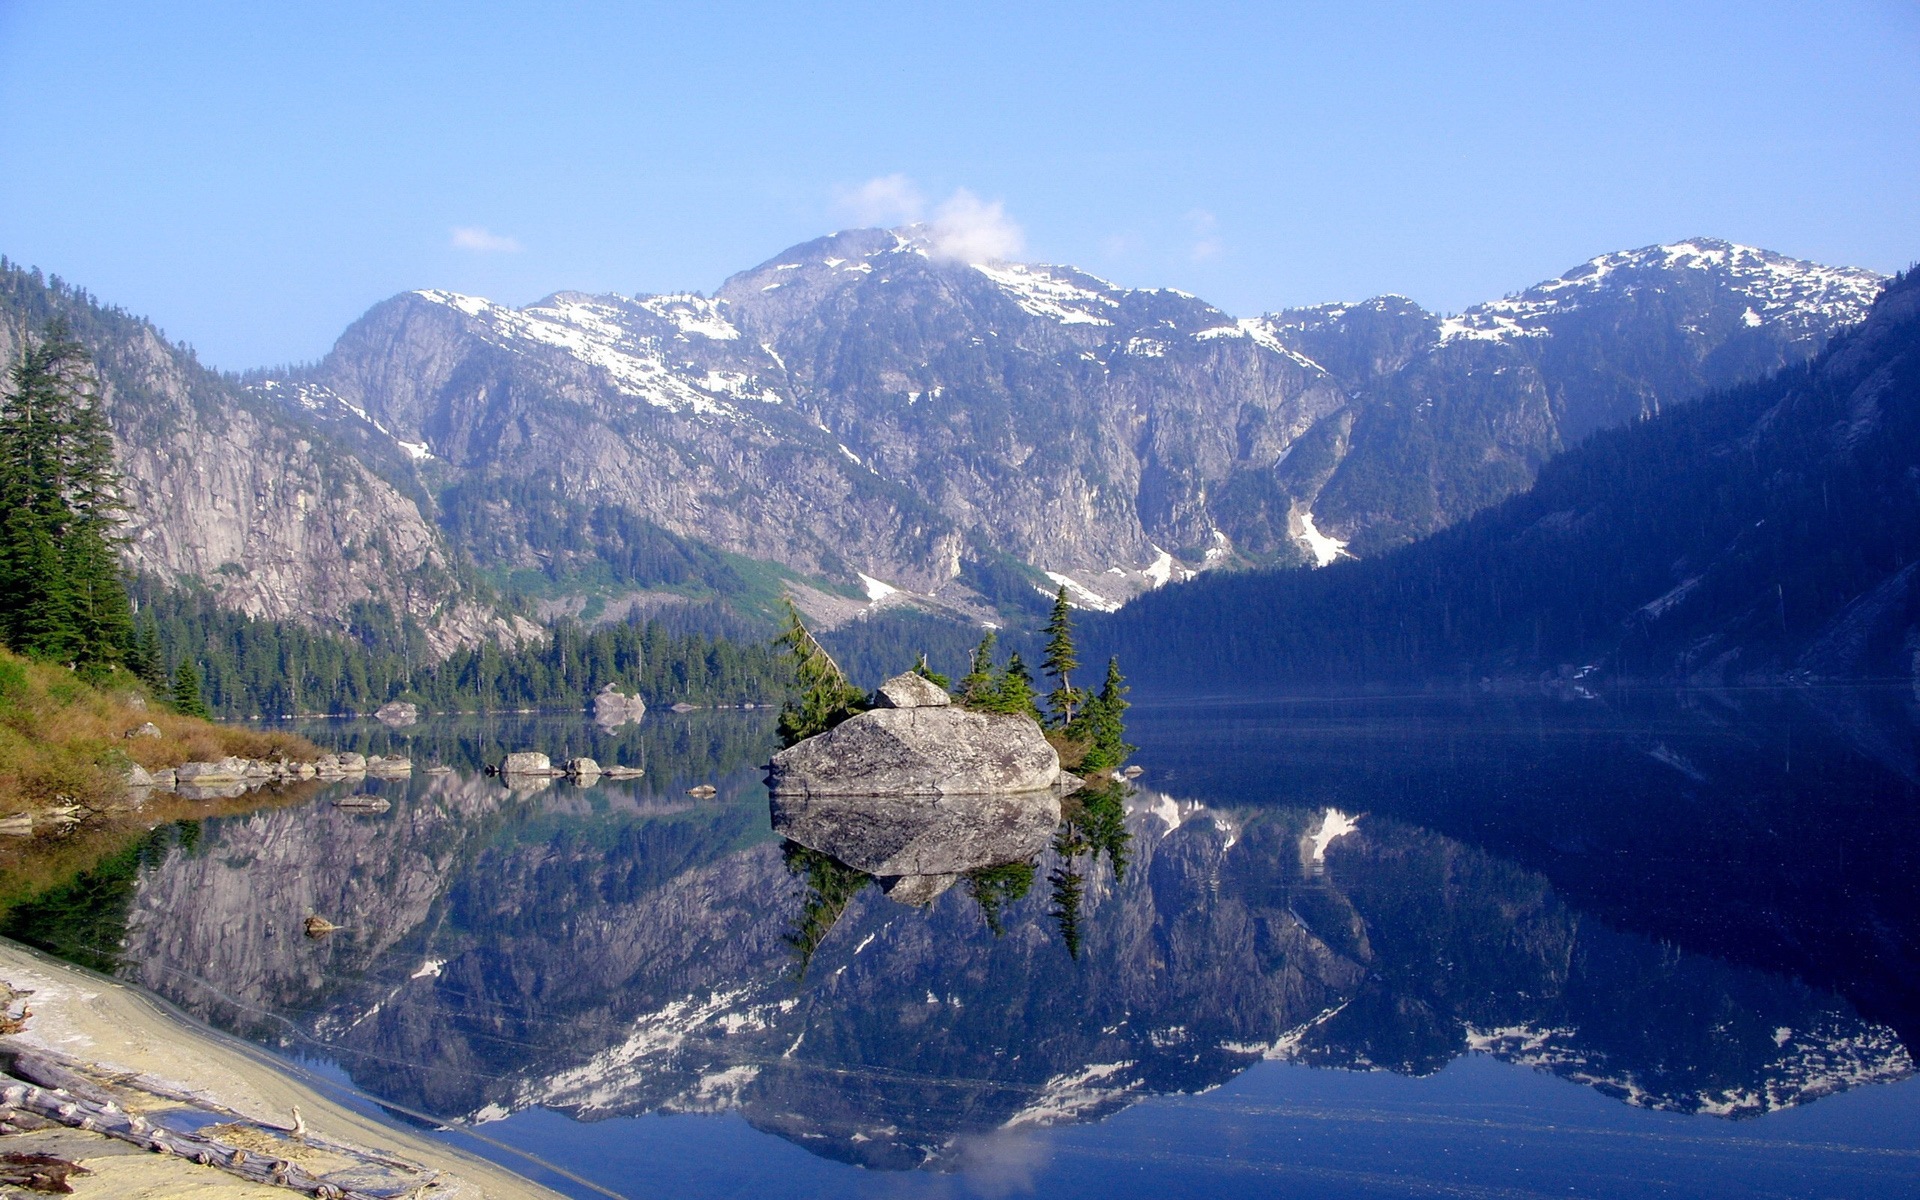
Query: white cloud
[966, 228]
[484, 241]
[884, 200]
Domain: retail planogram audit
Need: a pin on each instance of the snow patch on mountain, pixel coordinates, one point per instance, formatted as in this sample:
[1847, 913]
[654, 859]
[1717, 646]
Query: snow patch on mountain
[1259, 330]
[1778, 290]
[1042, 293]
[1081, 596]
[596, 331]
[1323, 547]
[691, 313]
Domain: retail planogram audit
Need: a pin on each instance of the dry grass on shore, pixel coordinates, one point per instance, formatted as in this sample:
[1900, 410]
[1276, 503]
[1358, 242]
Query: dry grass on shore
[64, 741]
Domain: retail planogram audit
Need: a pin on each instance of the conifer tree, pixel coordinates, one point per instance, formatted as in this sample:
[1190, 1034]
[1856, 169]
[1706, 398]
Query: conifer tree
[978, 686]
[61, 593]
[826, 698]
[1061, 660]
[143, 655]
[926, 672]
[1103, 723]
[186, 692]
[1013, 690]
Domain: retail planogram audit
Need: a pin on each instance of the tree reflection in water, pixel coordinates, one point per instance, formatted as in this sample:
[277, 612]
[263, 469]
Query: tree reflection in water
[1093, 822]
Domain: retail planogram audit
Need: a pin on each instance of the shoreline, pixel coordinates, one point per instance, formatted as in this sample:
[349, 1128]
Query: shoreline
[148, 1059]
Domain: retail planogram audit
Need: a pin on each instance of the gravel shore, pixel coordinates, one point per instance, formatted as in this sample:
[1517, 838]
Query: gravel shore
[132, 1060]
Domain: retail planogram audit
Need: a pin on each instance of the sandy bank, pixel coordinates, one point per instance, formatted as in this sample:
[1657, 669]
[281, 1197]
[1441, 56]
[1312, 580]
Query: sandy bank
[168, 1073]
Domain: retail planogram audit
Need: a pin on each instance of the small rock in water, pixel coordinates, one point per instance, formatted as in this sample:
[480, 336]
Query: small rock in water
[581, 768]
[397, 714]
[1132, 772]
[683, 706]
[612, 708]
[389, 766]
[375, 804]
[439, 769]
[618, 772]
[527, 762]
[704, 791]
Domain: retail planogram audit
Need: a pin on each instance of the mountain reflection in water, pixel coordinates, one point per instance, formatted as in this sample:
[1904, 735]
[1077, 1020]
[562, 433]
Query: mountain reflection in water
[622, 949]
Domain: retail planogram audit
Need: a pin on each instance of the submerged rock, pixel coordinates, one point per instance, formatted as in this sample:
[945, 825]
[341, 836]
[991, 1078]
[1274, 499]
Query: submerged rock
[389, 767]
[918, 745]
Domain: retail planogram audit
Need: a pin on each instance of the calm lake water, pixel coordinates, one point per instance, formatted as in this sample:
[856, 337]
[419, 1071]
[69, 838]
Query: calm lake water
[1646, 945]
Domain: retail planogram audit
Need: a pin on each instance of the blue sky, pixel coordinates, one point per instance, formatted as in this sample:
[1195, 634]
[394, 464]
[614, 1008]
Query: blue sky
[253, 177]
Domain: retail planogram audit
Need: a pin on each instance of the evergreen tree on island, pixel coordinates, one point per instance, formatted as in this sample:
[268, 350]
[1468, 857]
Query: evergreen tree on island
[826, 697]
[61, 594]
[1103, 723]
[1061, 658]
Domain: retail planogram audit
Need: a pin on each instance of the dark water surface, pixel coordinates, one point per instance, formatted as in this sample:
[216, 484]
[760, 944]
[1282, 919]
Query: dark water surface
[1645, 945]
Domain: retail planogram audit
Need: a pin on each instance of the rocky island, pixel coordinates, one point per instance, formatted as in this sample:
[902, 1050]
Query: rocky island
[916, 791]
[915, 741]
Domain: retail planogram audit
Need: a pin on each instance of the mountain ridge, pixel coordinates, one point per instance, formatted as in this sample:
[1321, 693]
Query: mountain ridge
[1764, 532]
[858, 408]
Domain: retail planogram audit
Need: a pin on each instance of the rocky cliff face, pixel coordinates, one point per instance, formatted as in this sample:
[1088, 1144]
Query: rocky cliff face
[235, 493]
[860, 409]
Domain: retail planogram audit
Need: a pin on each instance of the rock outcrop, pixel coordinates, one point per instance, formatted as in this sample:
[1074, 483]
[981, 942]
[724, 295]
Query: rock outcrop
[918, 749]
[249, 494]
[911, 690]
[611, 707]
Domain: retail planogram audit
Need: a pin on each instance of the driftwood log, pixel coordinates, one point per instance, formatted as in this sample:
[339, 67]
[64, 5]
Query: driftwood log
[54, 1093]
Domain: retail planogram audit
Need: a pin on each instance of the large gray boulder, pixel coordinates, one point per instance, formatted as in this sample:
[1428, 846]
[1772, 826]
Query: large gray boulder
[911, 691]
[931, 749]
[527, 762]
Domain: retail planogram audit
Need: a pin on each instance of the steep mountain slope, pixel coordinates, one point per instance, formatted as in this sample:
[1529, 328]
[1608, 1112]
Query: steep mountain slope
[236, 495]
[1765, 530]
[861, 409]
[1456, 414]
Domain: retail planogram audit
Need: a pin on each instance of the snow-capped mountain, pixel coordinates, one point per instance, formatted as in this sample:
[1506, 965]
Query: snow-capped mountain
[862, 410]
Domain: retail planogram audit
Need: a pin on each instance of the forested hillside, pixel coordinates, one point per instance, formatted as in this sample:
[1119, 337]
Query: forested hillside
[1768, 530]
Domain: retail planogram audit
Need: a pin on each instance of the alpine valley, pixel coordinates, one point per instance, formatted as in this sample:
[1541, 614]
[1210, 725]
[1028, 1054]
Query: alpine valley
[868, 425]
